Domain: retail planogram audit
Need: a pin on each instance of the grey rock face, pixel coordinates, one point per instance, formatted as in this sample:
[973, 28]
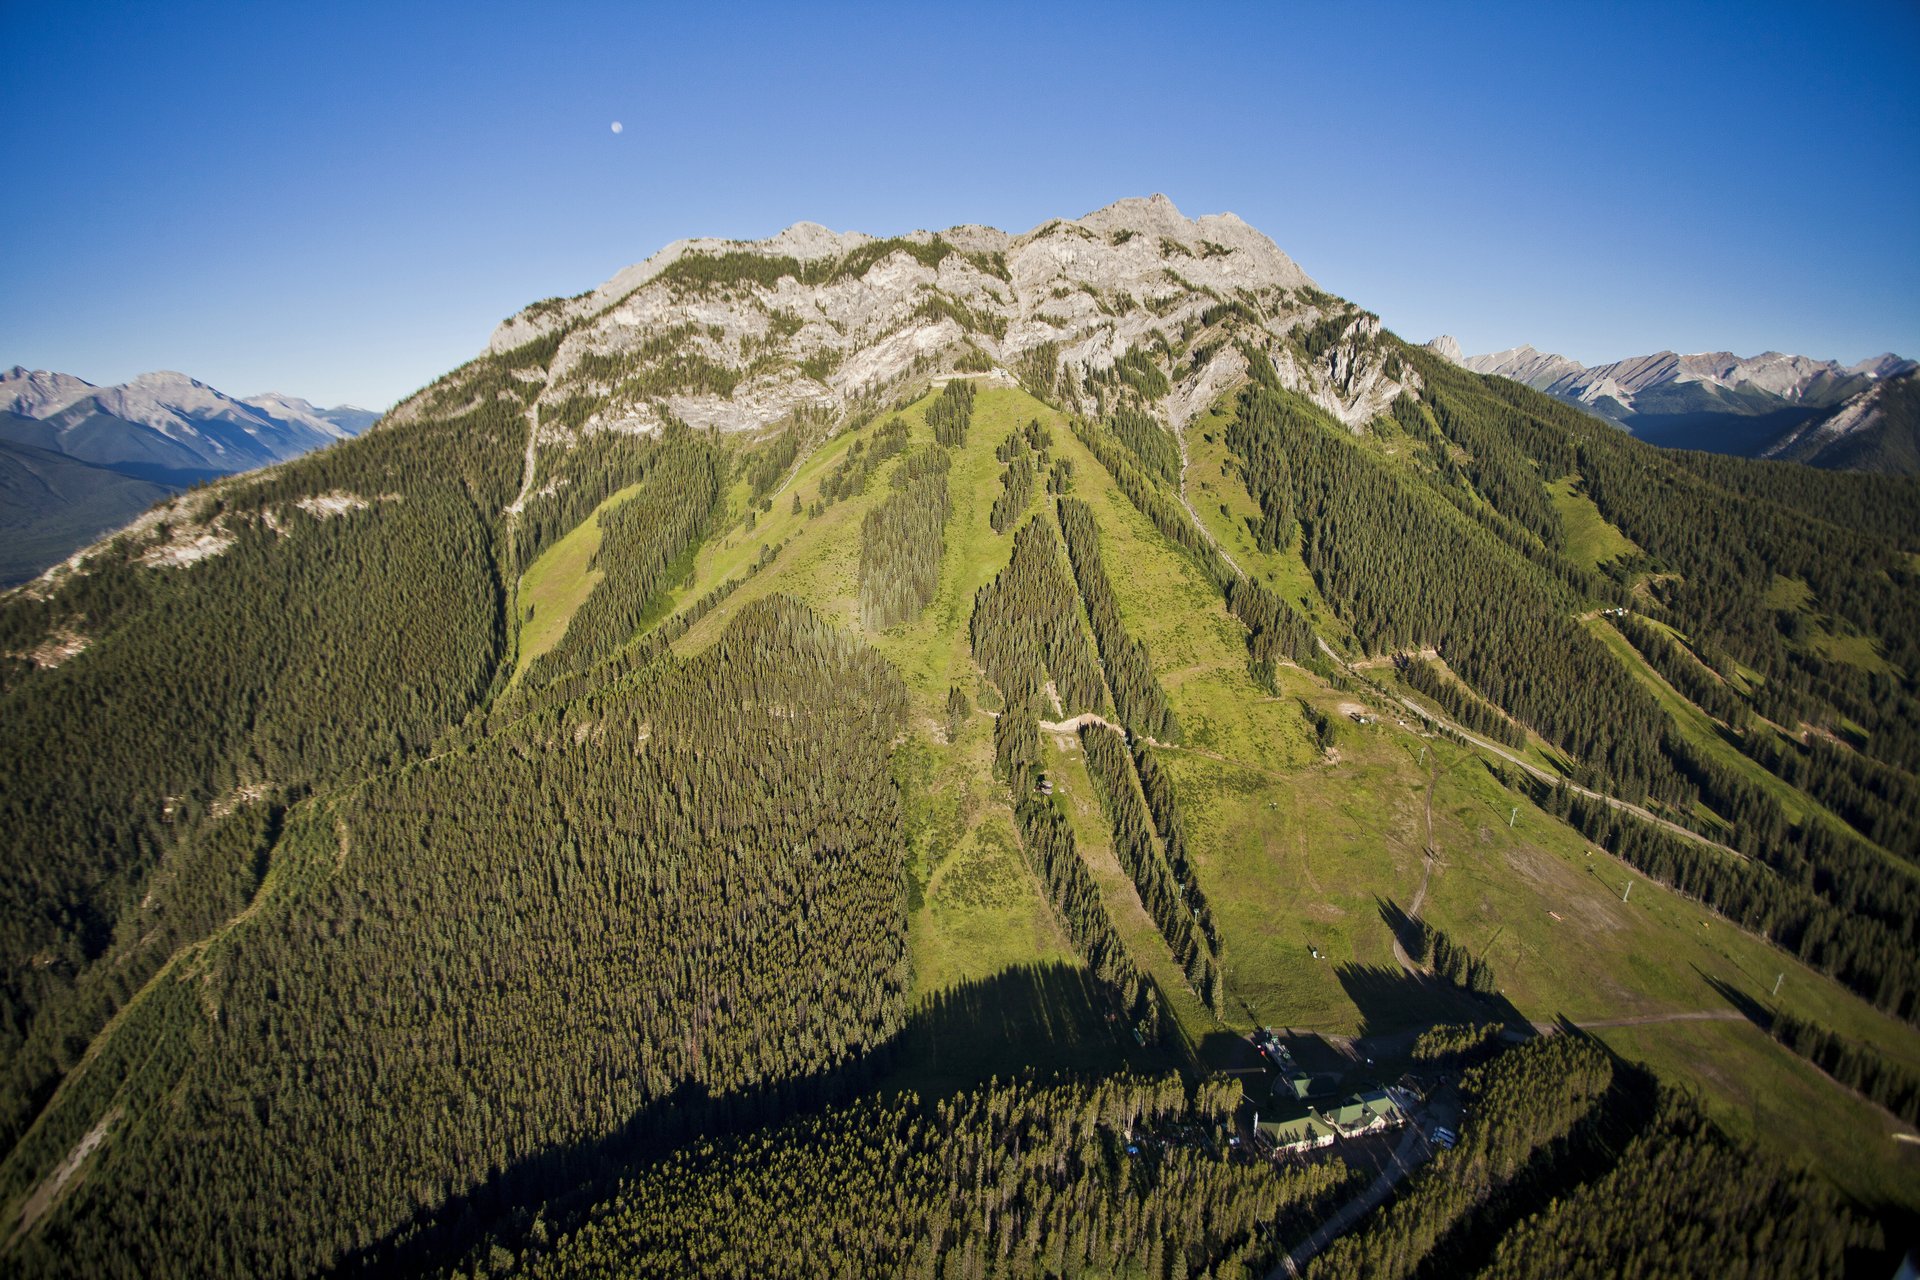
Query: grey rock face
[739, 334]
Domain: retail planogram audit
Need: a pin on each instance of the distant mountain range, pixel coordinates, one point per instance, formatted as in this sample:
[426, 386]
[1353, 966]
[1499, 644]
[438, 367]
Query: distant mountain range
[77, 459]
[1770, 405]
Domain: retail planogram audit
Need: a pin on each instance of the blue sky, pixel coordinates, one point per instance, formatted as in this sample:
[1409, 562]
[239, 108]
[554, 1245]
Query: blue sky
[340, 201]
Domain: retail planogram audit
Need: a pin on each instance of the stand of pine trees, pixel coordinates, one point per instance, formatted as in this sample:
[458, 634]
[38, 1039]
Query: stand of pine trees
[1514, 1105]
[1123, 1177]
[1685, 1200]
[1163, 894]
[1026, 629]
[902, 541]
[952, 413]
[1137, 696]
[664, 903]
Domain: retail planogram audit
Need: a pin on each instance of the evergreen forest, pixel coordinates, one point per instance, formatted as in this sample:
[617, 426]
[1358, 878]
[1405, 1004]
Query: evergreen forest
[971, 834]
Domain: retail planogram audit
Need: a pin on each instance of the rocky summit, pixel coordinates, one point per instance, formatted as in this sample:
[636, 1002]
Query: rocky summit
[739, 334]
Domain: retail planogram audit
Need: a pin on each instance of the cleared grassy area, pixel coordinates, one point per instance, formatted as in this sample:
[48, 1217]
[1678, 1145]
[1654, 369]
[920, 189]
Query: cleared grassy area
[1604, 958]
[558, 583]
[1214, 482]
[1793, 595]
[1075, 792]
[1854, 650]
[1306, 857]
[978, 909]
[1297, 862]
[1787, 593]
[1759, 1091]
[1591, 540]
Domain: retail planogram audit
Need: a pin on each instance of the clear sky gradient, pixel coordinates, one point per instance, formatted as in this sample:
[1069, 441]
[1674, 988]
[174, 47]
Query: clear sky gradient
[340, 201]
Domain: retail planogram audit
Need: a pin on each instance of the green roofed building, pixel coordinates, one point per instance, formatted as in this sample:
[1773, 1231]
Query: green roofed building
[1367, 1112]
[1295, 1084]
[1303, 1133]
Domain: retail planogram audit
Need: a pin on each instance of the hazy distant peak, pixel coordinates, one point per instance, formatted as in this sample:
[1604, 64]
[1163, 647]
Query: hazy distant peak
[1884, 365]
[1524, 363]
[166, 380]
[39, 393]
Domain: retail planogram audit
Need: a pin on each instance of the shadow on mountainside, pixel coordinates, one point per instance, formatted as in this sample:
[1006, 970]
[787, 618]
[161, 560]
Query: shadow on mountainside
[1393, 1000]
[1749, 1008]
[1040, 1021]
[1408, 932]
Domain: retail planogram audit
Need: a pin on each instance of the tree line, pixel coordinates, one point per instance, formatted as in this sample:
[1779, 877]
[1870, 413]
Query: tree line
[1161, 892]
[1861, 953]
[902, 541]
[1124, 1176]
[670, 902]
[1138, 698]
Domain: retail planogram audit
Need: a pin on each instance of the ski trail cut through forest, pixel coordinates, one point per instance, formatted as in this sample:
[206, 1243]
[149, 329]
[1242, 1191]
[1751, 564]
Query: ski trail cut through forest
[1553, 779]
[1648, 1020]
[526, 471]
[1544, 775]
[1427, 856]
[48, 1193]
[1536, 771]
[1180, 438]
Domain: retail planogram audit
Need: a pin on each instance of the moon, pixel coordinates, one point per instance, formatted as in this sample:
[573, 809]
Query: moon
[617, 126]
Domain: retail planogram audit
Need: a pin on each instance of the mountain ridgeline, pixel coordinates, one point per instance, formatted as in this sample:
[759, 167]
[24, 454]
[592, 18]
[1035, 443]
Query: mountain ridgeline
[78, 460]
[1858, 417]
[813, 757]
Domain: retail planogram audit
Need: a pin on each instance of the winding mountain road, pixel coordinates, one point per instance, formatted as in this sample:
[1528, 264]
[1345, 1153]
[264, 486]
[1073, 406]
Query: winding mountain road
[1545, 775]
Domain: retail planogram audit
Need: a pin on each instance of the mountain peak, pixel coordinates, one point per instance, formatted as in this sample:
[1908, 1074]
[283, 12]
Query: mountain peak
[1130, 274]
[808, 241]
[38, 393]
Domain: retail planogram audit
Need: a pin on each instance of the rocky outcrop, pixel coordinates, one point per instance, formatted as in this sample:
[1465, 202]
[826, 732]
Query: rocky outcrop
[1876, 430]
[737, 335]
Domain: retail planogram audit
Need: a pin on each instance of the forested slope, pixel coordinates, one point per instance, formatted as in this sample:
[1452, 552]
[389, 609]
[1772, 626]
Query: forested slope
[874, 758]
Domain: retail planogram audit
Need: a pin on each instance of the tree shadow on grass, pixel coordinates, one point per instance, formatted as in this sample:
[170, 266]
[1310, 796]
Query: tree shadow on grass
[1411, 934]
[1032, 1020]
[1393, 1002]
[1751, 1009]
